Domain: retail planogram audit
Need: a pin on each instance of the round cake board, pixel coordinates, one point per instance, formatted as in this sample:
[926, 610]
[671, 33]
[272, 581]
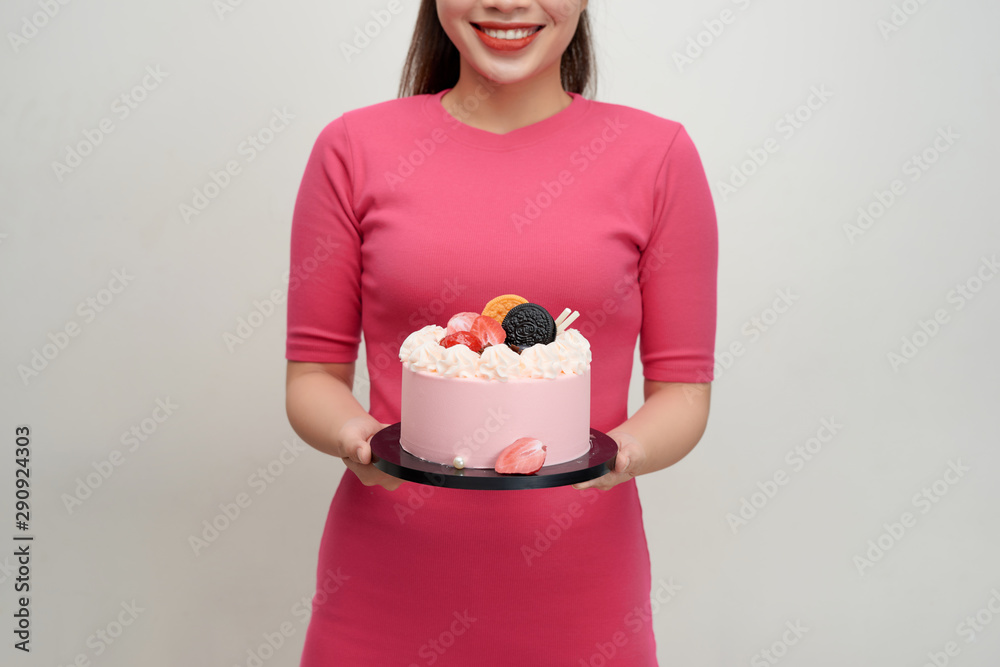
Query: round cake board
[389, 457]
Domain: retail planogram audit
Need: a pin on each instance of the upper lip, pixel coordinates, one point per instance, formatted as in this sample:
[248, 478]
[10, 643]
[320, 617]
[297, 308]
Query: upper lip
[503, 25]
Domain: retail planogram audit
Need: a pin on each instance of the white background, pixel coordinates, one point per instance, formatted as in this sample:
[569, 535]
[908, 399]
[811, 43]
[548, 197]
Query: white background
[854, 298]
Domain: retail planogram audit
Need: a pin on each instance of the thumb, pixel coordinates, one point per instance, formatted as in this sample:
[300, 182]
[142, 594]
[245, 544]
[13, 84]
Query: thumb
[358, 450]
[363, 454]
[369, 429]
[356, 435]
[366, 448]
[622, 462]
[629, 455]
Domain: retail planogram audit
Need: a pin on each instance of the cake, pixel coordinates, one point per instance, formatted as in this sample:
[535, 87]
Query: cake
[510, 384]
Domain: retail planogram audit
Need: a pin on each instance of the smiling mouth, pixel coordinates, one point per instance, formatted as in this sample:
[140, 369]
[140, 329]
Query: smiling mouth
[513, 34]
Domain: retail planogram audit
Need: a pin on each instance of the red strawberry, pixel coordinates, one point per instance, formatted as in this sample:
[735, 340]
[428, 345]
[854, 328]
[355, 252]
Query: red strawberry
[488, 330]
[524, 456]
[461, 322]
[463, 338]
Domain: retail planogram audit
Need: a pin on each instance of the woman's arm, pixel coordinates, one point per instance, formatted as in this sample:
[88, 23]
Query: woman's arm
[662, 431]
[324, 413]
[319, 401]
[669, 423]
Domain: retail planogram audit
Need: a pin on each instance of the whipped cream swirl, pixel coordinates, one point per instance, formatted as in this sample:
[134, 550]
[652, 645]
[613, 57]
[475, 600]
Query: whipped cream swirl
[458, 361]
[541, 361]
[422, 351]
[498, 362]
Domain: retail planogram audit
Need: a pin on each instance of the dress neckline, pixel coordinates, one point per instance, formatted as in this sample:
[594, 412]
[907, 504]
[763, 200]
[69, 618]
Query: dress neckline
[517, 138]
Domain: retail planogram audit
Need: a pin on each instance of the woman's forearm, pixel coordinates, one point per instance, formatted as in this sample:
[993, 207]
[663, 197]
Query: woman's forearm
[319, 402]
[669, 423]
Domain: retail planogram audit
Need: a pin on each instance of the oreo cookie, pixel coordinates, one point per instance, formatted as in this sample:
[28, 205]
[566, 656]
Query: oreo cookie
[528, 324]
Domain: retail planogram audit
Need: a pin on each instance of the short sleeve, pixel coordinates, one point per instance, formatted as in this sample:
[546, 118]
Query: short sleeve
[324, 282]
[678, 272]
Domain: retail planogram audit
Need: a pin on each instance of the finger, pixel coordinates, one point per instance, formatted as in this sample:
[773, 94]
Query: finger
[385, 479]
[364, 453]
[362, 472]
[628, 458]
[358, 450]
[591, 483]
[604, 482]
[369, 475]
[350, 465]
[371, 429]
[364, 450]
[600, 482]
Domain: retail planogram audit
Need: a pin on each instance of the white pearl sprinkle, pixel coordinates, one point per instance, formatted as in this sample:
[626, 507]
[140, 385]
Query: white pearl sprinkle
[459, 462]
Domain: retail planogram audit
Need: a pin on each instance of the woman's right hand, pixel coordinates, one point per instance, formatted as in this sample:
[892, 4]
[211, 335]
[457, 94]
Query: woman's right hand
[356, 451]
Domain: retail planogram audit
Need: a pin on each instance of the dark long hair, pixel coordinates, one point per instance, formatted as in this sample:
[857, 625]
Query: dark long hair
[432, 63]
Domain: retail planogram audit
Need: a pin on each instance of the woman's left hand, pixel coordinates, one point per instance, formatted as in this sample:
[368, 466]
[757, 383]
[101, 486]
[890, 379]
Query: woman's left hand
[628, 463]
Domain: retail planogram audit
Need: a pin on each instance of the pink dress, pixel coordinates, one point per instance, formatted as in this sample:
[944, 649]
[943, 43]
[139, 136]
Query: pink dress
[406, 216]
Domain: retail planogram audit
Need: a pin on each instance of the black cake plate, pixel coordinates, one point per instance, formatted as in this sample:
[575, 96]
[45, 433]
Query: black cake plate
[389, 457]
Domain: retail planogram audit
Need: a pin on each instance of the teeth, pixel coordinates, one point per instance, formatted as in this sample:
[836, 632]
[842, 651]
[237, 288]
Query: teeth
[510, 34]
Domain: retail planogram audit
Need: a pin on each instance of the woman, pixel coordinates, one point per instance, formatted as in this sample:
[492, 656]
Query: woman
[492, 174]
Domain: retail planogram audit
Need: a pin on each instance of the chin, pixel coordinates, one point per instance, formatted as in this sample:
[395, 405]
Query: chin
[504, 76]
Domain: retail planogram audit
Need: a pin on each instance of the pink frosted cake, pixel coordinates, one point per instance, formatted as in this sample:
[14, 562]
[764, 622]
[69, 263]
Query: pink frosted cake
[483, 385]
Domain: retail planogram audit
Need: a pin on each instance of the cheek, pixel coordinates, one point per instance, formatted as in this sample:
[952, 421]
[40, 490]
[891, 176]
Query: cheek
[450, 17]
[563, 29]
[453, 10]
[563, 11]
